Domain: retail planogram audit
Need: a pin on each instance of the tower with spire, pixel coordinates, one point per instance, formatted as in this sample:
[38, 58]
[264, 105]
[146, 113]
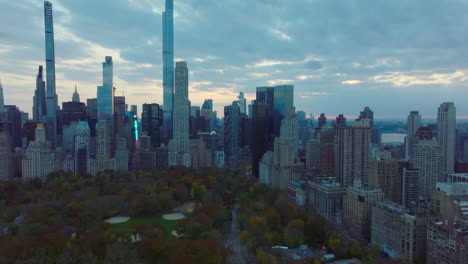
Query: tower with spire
[76, 96]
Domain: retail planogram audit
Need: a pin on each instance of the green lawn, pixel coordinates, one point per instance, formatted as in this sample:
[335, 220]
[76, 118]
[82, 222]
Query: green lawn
[169, 225]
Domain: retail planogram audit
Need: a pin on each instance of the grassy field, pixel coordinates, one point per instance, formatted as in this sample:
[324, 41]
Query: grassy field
[168, 224]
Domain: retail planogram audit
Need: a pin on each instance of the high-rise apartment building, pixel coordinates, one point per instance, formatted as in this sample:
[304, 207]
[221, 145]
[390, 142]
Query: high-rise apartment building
[260, 133]
[428, 159]
[447, 242]
[2, 102]
[446, 131]
[385, 173]
[410, 184]
[168, 67]
[232, 134]
[340, 121]
[7, 156]
[322, 120]
[412, 126]
[103, 160]
[82, 147]
[105, 93]
[38, 162]
[52, 101]
[400, 232]
[326, 198]
[357, 205]
[73, 111]
[39, 99]
[327, 150]
[242, 103]
[151, 122]
[12, 115]
[179, 152]
[286, 166]
[353, 152]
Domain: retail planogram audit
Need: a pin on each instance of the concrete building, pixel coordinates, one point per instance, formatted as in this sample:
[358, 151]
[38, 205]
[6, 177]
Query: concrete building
[286, 165]
[386, 174]
[297, 192]
[2, 103]
[326, 198]
[357, 205]
[39, 99]
[428, 159]
[447, 242]
[353, 152]
[266, 168]
[179, 152]
[327, 150]
[456, 177]
[38, 162]
[412, 126]
[242, 103]
[82, 147]
[7, 157]
[312, 151]
[201, 155]
[148, 157]
[103, 160]
[151, 122]
[232, 134]
[410, 185]
[322, 120]
[400, 232]
[446, 132]
[121, 155]
[450, 200]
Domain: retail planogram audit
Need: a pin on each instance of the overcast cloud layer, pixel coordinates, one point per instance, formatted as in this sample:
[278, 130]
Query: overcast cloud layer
[392, 55]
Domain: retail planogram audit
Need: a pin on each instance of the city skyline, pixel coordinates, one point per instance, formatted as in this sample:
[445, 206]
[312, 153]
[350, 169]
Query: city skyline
[324, 75]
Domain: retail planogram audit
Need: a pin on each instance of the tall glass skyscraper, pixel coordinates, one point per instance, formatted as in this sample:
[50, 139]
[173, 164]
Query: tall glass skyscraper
[105, 93]
[168, 66]
[50, 73]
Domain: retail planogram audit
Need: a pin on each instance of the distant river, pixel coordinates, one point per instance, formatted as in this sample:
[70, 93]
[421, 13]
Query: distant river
[393, 138]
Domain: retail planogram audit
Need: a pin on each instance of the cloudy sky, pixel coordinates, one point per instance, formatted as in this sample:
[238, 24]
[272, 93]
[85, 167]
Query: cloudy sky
[392, 55]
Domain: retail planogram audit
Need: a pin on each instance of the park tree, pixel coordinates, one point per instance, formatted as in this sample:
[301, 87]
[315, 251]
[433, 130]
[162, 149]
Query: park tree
[294, 233]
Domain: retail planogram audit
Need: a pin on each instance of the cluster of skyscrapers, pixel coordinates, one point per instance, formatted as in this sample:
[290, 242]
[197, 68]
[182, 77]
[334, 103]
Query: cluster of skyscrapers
[407, 198]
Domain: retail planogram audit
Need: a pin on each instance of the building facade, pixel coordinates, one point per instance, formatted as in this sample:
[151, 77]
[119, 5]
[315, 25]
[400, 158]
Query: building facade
[357, 205]
[179, 152]
[446, 131]
[52, 100]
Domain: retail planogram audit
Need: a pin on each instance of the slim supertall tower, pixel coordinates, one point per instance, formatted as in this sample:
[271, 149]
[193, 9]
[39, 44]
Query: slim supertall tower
[50, 74]
[446, 127]
[168, 66]
[179, 152]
